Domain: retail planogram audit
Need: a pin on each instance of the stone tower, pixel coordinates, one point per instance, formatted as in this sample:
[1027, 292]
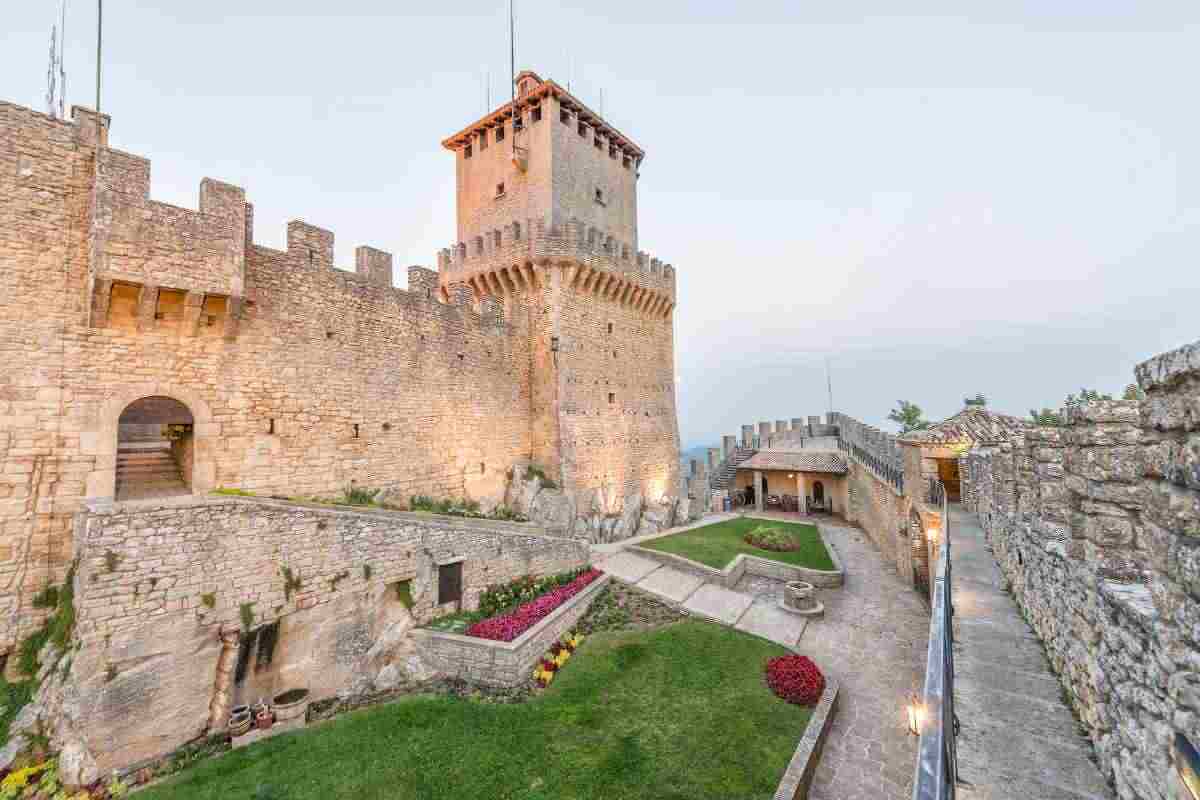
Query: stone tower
[547, 226]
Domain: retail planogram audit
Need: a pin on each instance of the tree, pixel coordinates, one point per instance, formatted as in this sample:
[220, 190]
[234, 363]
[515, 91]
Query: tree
[1133, 392]
[978, 400]
[1045, 417]
[908, 417]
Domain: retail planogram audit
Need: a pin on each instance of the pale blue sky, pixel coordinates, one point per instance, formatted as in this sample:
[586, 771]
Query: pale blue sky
[999, 197]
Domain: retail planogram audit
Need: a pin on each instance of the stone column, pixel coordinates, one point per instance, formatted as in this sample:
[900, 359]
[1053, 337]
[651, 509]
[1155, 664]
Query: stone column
[758, 490]
[802, 492]
[747, 436]
[728, 445]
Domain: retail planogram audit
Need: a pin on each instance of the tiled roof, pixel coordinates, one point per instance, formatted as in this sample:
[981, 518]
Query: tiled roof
[974, 424]
[797, 461]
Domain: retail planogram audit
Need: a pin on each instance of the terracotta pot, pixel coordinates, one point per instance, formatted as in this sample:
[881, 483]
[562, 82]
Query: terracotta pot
[291, 704]
[263, 720]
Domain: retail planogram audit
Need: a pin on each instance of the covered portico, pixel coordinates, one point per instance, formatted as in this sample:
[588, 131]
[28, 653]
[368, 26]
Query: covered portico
[803, 481]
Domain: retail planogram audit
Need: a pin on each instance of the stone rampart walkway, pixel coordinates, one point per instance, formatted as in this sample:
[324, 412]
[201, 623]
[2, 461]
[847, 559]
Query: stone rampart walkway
[1018, 738]
[872, 639]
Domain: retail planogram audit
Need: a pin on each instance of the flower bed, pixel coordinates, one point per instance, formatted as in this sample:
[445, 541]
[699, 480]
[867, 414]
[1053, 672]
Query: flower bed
[555, 658]
[506, 627]
[795, 679]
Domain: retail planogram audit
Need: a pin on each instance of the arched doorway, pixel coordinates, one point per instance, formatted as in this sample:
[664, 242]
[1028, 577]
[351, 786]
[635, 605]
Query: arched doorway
[920, 554]
[818, 503]
[156, 449]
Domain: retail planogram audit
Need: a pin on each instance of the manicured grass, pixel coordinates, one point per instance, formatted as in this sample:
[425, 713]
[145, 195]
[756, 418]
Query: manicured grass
[681, 711]
[718, 544]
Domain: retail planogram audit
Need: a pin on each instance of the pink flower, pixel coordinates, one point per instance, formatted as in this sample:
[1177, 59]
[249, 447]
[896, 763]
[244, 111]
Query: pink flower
[506, 627]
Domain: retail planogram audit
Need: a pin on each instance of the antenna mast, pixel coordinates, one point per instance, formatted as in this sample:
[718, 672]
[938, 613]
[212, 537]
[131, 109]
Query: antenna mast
[56, 75]
[512, 73]
[829, 384]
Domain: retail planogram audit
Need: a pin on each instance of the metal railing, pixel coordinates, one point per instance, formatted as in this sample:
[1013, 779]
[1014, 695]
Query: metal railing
[937, 760]
[882, 468]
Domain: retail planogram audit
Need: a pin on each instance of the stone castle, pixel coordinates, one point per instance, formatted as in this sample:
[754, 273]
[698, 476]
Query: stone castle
[152, 350]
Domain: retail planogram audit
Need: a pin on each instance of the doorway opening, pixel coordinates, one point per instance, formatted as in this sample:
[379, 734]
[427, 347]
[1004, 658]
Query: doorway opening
[155, 449]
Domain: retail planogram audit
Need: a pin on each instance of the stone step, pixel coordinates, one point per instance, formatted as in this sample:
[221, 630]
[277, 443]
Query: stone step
[165, 462]
[136, 446]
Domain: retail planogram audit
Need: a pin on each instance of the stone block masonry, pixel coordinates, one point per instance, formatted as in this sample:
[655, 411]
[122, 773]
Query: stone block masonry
[166, 592]
[303, 379]
[1094, 525]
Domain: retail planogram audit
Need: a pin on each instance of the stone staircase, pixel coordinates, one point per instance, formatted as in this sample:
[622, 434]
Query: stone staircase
[728, 468]
[146, 469]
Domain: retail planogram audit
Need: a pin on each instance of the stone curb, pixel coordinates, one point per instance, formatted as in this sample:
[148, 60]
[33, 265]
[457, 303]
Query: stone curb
[762, 567]
[800, 770]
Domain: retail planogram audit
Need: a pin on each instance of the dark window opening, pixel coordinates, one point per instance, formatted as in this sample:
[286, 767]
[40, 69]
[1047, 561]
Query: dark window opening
[518, 123]
[467, 151]
[612, 151]
[312, 256]
[583, 129]
[598, 142]
[271, 426]
[328, 334]
[626, 162]
[499, 190]
[450, 583]
[535, 115]
[564, 117]
[483, 142]
[500, 134]
[356, 430]
[268, 636]
[610, 327]
[482, 468]
[599, 195]
[387, 426]
[612, 398]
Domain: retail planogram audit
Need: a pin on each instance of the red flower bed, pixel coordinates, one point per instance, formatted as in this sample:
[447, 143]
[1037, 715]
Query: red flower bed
[506, 627]
[795, 679]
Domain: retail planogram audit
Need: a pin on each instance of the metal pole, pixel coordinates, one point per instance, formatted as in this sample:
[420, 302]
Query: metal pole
[99, 40]
[512, 72]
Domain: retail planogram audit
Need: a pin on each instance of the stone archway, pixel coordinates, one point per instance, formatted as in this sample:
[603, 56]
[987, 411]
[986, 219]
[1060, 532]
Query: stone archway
[101, 438]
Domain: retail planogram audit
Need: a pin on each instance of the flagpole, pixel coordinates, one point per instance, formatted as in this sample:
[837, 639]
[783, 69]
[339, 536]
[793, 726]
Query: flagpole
[99, 40]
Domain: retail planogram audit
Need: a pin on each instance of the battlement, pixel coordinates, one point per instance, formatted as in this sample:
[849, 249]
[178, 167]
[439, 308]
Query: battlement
[506, 260]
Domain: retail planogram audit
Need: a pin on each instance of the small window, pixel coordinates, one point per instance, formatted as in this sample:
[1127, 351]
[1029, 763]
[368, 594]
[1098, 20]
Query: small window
[271, 426]
[467, 151]
[564, 117]
[483, 142]
[600, 196]
[356, 430]
[627, 162]
[499, 190]
[612, 151]
[518, 122]
[598, 142]
[535, 114]
[500, 134]
[583, 129]
[450, 583]
[482, 468]
[312, 256]
[612, 398]
[610, 327]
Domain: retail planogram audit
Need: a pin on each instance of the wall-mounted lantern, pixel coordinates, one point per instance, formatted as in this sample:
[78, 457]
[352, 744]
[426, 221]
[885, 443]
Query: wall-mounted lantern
[915, 711]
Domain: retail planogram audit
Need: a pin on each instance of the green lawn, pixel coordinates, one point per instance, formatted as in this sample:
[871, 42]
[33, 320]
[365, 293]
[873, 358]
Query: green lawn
[680, 711]
[718, 544]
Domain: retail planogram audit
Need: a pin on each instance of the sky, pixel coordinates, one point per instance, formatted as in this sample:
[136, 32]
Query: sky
[968, 197]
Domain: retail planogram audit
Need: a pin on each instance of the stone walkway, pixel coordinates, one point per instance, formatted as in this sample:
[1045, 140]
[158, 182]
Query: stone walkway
[1018, 738]
[872, 639]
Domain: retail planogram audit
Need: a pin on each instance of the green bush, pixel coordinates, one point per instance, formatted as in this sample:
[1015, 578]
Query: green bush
[768, 537]
[534, 471]
[358, 496]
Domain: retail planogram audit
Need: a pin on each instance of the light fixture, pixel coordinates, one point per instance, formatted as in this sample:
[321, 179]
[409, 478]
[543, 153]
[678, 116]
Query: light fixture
[916, 714]
[933, 534]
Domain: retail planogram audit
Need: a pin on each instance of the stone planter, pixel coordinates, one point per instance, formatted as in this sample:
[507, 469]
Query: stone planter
[292, 704]
[798, 598]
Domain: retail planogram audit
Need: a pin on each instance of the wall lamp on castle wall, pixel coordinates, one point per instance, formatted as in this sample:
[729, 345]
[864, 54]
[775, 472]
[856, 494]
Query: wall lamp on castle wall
[554, 349]
[915, 711]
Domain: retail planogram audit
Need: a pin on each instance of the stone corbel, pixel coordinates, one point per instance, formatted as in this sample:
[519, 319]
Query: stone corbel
[147, 306]
[233, 318]
[193, 308]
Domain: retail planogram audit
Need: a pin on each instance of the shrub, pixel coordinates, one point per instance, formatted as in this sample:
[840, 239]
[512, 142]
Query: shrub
[507, 627]
[534, 471]
[795, 679]
[359, 496]
[767, 537]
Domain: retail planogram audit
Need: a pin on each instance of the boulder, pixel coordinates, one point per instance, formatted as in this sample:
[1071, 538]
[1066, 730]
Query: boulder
[76, 767]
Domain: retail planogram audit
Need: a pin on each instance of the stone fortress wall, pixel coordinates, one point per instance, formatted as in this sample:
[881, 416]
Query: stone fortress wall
[1095, 525]
[302, 378]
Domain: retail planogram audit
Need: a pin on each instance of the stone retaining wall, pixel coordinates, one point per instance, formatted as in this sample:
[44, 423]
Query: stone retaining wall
[504, 664]
[164, 591]
[1096, 526]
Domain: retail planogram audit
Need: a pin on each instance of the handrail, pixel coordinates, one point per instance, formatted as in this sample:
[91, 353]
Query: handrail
[937, 762]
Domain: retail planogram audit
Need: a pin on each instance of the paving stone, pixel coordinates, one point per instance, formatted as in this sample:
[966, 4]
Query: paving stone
[719, 603]
[766, 619]
[670, 584]
[628, 567]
